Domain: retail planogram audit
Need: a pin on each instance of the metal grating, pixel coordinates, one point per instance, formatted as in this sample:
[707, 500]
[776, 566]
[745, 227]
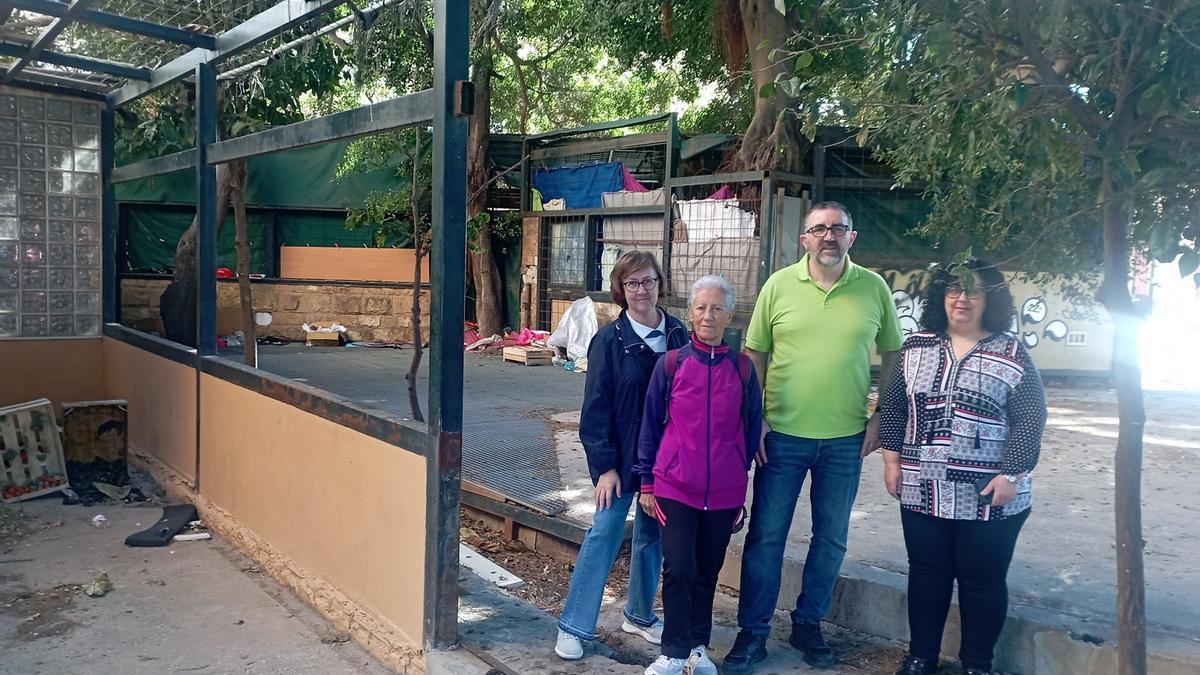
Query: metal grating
[513, 456]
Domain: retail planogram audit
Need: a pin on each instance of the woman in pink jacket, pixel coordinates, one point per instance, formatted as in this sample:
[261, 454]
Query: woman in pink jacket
[700, 428]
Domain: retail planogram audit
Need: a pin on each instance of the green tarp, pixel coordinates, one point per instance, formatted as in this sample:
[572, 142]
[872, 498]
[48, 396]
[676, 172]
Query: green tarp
[296, 179]
[295, 189]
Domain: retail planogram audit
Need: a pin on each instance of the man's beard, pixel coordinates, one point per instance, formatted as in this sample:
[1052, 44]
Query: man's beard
[831, 256]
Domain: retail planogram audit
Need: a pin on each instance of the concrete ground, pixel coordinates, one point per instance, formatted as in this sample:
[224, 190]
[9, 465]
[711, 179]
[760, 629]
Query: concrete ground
[520, 638]
[1065, 563]
[191, 607]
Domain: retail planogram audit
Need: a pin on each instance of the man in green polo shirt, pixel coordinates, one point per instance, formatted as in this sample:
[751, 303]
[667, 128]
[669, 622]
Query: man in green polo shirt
[810, 339]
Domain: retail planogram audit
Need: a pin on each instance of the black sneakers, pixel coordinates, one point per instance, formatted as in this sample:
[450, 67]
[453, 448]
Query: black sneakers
[915, 665]
[748, 650]
[806, 637]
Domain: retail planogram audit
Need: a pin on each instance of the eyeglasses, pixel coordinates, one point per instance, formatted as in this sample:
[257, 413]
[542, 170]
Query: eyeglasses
[839, 230]
[649, 284]
[955, 291]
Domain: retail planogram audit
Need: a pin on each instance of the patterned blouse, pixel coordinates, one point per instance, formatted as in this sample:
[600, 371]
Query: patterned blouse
[954, 422]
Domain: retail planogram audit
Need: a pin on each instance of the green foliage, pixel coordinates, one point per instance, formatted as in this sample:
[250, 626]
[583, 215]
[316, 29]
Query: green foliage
[1013, 156]
[389, 214]
[164, 121]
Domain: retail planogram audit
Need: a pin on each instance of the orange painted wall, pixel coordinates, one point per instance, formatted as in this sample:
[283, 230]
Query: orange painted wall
[162, 403]
[60, 370]
[342, 505]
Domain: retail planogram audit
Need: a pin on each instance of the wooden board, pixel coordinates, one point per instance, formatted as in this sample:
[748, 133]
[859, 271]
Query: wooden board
[31, 452]
[349, 264]
[530, 356]
[95, 430]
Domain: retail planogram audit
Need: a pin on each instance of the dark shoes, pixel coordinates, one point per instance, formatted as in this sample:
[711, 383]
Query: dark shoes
[748, 650]
[915, 665]
[807, 638]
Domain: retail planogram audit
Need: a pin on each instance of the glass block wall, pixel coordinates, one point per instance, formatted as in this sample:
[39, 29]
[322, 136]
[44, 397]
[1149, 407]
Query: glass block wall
[50, 280]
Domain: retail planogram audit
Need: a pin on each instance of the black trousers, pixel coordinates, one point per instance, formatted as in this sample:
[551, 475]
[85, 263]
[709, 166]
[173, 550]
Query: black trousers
[977, 555]
[694, 543]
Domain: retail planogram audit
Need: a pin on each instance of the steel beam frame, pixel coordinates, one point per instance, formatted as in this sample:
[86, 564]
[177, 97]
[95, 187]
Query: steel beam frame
[396, 113]
[111, 299]
[262, 26]
[176, 161]
[447, 311]
[117, 22]
[113, 68]
[45, 38]
[206, 212]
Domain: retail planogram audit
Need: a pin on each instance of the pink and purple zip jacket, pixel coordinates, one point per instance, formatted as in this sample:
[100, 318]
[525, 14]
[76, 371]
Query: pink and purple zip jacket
[696, 449]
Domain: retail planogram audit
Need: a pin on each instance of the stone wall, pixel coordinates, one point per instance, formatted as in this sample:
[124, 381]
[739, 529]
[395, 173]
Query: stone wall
[368, 311]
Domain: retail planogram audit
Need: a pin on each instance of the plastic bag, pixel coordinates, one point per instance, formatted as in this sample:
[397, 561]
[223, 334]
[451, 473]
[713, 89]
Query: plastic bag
[575, 329]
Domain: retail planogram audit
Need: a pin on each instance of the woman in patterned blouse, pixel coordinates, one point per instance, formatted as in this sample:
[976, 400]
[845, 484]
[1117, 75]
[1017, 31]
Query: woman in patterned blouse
[961, 427]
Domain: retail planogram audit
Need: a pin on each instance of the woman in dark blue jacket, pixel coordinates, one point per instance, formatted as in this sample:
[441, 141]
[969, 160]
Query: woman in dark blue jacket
[620, 360]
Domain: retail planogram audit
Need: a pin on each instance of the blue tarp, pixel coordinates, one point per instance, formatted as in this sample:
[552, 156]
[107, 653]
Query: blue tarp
[580, 186]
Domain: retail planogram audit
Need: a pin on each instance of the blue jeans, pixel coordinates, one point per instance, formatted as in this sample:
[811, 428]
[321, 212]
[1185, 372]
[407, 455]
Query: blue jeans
[595, 561]
[836, 465]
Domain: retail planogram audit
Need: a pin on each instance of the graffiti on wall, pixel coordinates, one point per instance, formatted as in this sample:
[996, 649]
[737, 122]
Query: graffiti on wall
[1034, 321]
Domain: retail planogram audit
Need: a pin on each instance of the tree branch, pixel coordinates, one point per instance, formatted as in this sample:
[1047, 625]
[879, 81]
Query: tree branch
[1133, 80]
[1091, 121]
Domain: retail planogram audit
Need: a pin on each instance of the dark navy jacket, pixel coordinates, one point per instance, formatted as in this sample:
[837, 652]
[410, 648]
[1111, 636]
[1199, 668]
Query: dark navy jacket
[618, 372]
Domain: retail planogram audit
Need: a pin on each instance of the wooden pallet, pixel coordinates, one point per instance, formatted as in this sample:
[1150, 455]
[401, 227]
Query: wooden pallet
[530, 356]
[31, 452]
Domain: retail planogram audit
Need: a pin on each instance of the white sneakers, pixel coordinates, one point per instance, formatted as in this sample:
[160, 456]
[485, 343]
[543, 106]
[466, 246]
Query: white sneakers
[699, 662]
[651, 634]
[568, 647]
[666, 665]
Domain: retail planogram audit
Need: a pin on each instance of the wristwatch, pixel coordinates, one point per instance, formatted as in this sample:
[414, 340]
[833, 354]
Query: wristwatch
[1012, 479]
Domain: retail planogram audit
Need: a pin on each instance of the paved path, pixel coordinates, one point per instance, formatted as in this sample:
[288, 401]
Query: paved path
[192, 607]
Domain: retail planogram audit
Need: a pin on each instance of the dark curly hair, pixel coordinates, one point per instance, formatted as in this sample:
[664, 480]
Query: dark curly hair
[997, 315]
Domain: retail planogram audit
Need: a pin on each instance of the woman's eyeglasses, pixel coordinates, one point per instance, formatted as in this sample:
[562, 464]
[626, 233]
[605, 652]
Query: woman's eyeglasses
[633, 285]
[954, 291]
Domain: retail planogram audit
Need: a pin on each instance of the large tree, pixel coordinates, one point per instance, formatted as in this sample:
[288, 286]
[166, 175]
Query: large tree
[1065, 134]
[535, 65]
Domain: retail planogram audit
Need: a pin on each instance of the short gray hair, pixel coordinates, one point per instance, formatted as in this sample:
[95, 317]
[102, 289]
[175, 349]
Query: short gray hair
[713, 281]
[831, 205]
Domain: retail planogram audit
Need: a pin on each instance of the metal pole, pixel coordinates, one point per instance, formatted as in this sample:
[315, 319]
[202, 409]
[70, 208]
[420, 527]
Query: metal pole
[206, 212]
[109, 219]
[448, 310]
[206, 234]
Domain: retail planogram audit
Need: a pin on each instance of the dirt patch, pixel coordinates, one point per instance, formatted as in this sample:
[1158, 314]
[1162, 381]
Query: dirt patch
[546, 578]
[41, 613]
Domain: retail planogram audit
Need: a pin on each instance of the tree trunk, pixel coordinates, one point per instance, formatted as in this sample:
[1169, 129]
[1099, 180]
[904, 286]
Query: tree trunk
[238, 180]
[486, 275]
[773, 139]
[177, 306]
[1131, 415]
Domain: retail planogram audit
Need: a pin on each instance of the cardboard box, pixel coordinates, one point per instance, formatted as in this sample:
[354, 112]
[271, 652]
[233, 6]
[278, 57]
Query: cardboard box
[320, 338]
[95, 430]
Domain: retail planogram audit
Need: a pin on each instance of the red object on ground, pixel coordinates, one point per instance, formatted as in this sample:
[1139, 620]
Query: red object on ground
[224, 273]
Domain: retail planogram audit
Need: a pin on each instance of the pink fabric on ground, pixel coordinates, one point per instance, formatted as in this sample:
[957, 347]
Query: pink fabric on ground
[630, 183]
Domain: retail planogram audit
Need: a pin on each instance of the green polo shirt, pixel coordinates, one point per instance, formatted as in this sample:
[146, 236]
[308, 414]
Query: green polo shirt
[820, 347]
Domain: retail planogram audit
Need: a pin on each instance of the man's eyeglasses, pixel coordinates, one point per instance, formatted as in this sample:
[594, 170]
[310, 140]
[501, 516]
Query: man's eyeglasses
[954, 291]
[838, 230]
[633, 285]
